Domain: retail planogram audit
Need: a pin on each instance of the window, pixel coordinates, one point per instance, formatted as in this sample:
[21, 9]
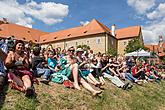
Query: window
[69, 35]
[98, 40]
[125, 43]
[76, 43]
[85, 31]
[87, 41]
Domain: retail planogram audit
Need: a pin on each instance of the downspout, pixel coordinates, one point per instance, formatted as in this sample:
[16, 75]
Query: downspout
[106, 42]
[64, 44]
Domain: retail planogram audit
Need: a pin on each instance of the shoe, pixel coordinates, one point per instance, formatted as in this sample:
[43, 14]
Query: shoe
[129, 86]
[45, 81]
[71, 85]
[145, 81]
[66, 84]
[125, 86]
[29, 92]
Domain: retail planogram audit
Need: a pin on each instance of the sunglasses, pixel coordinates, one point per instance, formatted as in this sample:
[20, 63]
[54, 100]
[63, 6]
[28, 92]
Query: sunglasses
[71, 50]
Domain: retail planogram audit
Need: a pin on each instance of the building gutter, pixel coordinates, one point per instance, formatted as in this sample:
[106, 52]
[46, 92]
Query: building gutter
[106, 42]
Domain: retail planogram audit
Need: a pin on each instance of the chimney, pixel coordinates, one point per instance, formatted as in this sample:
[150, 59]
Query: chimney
[160, 41]
[113, 29]
[5, 20]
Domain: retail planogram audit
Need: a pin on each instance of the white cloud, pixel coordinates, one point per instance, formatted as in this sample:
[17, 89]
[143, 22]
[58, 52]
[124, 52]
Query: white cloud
[150, 37]
[11, 10]
[156, 29]
[141, 6]
[155, 19]
[158, 12]
[48, 12]
[84, 22]
[157, 26]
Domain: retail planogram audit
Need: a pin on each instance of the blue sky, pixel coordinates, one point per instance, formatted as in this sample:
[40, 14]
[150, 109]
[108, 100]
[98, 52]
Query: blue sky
[54, 15]
[107, 12]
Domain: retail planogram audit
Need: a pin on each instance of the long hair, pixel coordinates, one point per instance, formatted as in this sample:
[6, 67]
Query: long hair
[19, 41]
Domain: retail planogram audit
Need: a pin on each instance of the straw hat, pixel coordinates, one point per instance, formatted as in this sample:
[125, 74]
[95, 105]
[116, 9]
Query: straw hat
[79, 50]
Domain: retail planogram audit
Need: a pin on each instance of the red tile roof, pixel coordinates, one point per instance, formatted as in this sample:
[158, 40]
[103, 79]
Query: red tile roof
[152, 48]
[129, 32]
[94, 27]
[20, 32]
[159, 49]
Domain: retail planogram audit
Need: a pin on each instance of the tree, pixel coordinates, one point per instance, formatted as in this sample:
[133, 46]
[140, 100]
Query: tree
[134, 45]
[85, 47]
[112, 52]
[163, 59]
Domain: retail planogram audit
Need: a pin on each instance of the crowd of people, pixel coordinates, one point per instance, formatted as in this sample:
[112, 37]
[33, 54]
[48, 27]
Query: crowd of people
[22, 63]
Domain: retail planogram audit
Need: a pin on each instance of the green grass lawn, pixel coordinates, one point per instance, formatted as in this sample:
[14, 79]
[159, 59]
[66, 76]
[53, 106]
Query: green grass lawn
[149, 96]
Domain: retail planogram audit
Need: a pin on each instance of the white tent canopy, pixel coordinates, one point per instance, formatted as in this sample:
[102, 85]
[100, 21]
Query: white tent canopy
[139, 53]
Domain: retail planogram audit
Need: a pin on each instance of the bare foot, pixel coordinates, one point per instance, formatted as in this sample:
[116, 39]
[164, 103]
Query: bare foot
[76, 86]
[98, 85]
[95, 93]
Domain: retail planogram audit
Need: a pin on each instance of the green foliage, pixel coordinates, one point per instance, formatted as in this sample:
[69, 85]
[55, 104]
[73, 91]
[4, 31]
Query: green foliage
[85, 47]
[112, 52]
[134, 45]
[163, 59]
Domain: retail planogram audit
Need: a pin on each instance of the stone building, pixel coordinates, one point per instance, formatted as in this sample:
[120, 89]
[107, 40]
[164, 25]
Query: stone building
[95, 34]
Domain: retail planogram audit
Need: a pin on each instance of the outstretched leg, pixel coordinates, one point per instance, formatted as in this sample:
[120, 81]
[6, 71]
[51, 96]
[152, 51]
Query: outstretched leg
[74, 69]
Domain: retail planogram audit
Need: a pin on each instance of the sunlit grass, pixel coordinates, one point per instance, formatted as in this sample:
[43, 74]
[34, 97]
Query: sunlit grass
[149, 96]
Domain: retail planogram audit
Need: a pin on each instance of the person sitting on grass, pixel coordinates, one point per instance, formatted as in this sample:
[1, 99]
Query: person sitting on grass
[138, 71]
[85, 69]
[95, 66]
[60, 73]
[3, 55]
[75, 72]
[150, 75]
[108, 72]
[38, 66]
[19, 75]
[124, 72]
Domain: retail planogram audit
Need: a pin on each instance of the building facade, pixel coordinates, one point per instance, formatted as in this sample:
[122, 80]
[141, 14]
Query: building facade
[96, 35]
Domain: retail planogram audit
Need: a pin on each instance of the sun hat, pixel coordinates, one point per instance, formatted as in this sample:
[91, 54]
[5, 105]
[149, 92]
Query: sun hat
[79, 50]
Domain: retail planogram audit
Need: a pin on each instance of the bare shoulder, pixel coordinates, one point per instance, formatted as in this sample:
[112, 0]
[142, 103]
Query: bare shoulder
[11, 53]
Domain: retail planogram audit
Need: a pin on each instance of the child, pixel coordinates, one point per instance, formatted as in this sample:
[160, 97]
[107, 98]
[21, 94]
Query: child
[59, 74]
[96, 70]
[38, 66]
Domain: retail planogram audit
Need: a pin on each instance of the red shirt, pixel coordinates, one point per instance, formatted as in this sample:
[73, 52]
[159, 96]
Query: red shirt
[147, 72]
[134, 70]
